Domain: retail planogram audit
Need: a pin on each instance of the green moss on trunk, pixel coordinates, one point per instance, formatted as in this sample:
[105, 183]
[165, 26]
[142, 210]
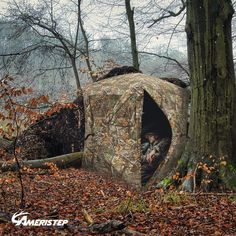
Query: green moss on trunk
[212, 78]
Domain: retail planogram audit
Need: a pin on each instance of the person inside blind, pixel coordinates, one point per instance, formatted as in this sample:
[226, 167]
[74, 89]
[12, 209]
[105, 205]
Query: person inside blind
[153, 152]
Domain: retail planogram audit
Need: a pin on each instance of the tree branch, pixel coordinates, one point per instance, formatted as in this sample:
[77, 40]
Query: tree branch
[168, 58]
[170, 14]
[25, 51]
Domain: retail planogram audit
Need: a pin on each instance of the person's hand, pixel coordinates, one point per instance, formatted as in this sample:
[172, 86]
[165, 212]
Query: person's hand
[150, 156]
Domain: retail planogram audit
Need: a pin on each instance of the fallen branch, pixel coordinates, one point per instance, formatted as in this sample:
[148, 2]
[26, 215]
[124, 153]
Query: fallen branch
[107, 227]
[5, 217]
[115, 227]
[63, 161]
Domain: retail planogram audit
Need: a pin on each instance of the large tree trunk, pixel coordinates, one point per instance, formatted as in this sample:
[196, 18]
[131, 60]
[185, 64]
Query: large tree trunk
[212, 78]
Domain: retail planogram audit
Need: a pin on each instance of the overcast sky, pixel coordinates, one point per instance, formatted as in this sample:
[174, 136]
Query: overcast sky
[106, 21]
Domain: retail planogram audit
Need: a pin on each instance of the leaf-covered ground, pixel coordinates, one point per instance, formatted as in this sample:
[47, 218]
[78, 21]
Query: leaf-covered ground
[63, 194]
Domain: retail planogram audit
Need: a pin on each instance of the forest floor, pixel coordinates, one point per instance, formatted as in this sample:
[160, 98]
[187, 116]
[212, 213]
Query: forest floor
[80, 196]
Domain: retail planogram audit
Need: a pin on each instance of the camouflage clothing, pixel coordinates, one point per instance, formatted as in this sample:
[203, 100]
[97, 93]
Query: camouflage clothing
[161, 147]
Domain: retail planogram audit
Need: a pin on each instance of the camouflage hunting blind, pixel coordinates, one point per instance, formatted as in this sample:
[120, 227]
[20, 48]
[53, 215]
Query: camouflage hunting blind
[117, 111]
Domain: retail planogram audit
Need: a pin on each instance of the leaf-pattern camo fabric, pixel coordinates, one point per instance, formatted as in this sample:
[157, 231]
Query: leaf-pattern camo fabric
[113, 113]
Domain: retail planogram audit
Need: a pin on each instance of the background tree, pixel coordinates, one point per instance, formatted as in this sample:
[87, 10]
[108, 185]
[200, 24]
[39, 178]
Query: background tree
[162, 24]
[160, 50]
[58, 35]
[130, 16]
[86, 51]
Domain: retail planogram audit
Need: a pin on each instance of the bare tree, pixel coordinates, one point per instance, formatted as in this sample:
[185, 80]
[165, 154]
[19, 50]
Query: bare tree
[86, 42]
[167, 20]
[130, 16]
[167, 13]
[46, 22]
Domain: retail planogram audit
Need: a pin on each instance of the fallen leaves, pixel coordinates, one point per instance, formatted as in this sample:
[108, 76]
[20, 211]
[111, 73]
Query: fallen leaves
[85, 197]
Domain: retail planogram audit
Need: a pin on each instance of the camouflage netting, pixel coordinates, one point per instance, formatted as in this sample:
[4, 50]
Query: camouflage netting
[113, 114]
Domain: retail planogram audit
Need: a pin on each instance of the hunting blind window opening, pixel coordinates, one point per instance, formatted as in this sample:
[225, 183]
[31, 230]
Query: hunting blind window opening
[153, 121]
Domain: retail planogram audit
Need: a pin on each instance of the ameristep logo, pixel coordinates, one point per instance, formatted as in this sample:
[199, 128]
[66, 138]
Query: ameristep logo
[22, 219]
